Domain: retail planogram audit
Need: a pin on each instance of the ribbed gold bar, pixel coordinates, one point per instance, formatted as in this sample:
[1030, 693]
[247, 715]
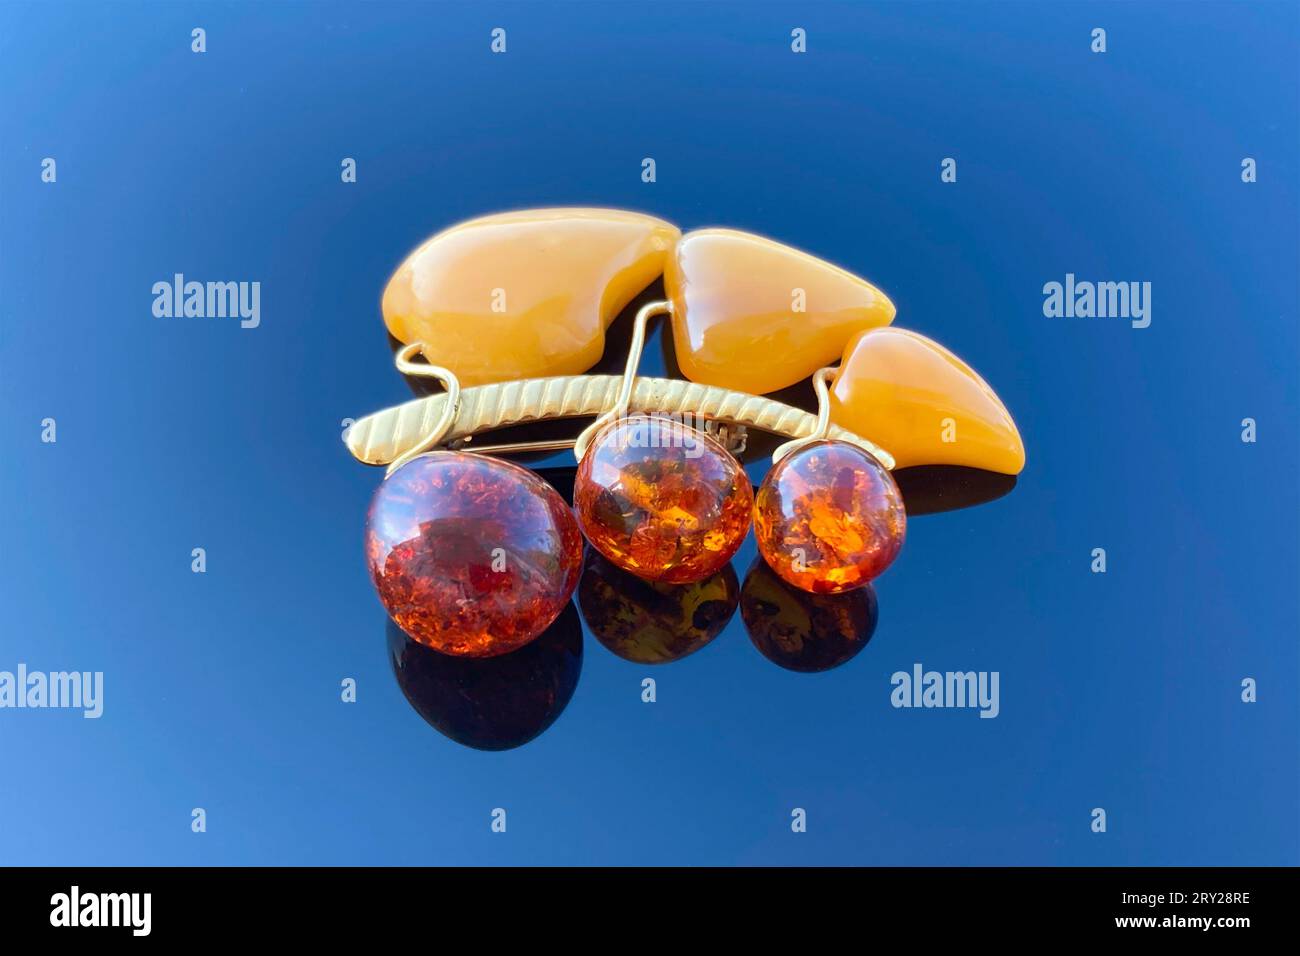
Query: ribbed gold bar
[381, 438]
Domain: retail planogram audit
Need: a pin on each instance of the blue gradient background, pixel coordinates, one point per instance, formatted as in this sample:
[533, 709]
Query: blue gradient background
[222, 690]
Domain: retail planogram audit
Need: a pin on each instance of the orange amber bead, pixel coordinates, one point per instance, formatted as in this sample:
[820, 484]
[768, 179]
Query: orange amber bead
[662, 500]
[828, 518]
[472, 556]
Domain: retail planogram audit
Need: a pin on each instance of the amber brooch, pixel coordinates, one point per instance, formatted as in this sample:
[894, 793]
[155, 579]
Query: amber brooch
[474, 555]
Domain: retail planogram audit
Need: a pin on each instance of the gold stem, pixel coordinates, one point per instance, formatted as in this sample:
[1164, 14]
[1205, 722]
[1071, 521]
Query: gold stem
[621, 403]
[451, 406]
[823, 429]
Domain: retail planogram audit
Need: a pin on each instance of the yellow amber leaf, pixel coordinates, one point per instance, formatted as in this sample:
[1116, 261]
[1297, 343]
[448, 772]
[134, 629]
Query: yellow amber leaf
[524, 294]
[922, 404]
[754, 315]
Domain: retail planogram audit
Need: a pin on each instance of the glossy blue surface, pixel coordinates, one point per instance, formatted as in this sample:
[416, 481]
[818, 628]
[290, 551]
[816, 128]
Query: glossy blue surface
[222, 690]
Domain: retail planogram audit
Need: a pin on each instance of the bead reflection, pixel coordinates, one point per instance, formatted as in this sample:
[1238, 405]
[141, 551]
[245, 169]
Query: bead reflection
[494, 703]
[801, 631]
[649, 622]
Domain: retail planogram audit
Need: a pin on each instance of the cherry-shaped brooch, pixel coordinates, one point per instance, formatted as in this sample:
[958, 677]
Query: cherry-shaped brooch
[476, 556]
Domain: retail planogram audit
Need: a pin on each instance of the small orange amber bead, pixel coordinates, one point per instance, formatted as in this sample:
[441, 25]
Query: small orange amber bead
[828, 518]
[662, 500]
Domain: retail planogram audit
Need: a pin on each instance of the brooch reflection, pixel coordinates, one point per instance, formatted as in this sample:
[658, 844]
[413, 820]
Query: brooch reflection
[502, 702]
[475, 556]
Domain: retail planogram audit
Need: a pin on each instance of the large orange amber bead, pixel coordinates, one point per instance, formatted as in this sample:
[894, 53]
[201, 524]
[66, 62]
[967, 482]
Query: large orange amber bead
[828, 518]
[524, 294]
[662, 500]
[472, 556]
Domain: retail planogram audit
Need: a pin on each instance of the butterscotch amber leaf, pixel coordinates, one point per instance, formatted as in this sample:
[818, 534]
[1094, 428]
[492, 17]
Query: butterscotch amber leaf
[755, 315]
[923, 404]
[524, 294]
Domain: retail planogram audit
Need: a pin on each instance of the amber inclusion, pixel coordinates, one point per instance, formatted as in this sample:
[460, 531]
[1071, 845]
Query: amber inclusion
[662, 500]
[472, 556]
[828, 518]
[754, 315]
[524, 294]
